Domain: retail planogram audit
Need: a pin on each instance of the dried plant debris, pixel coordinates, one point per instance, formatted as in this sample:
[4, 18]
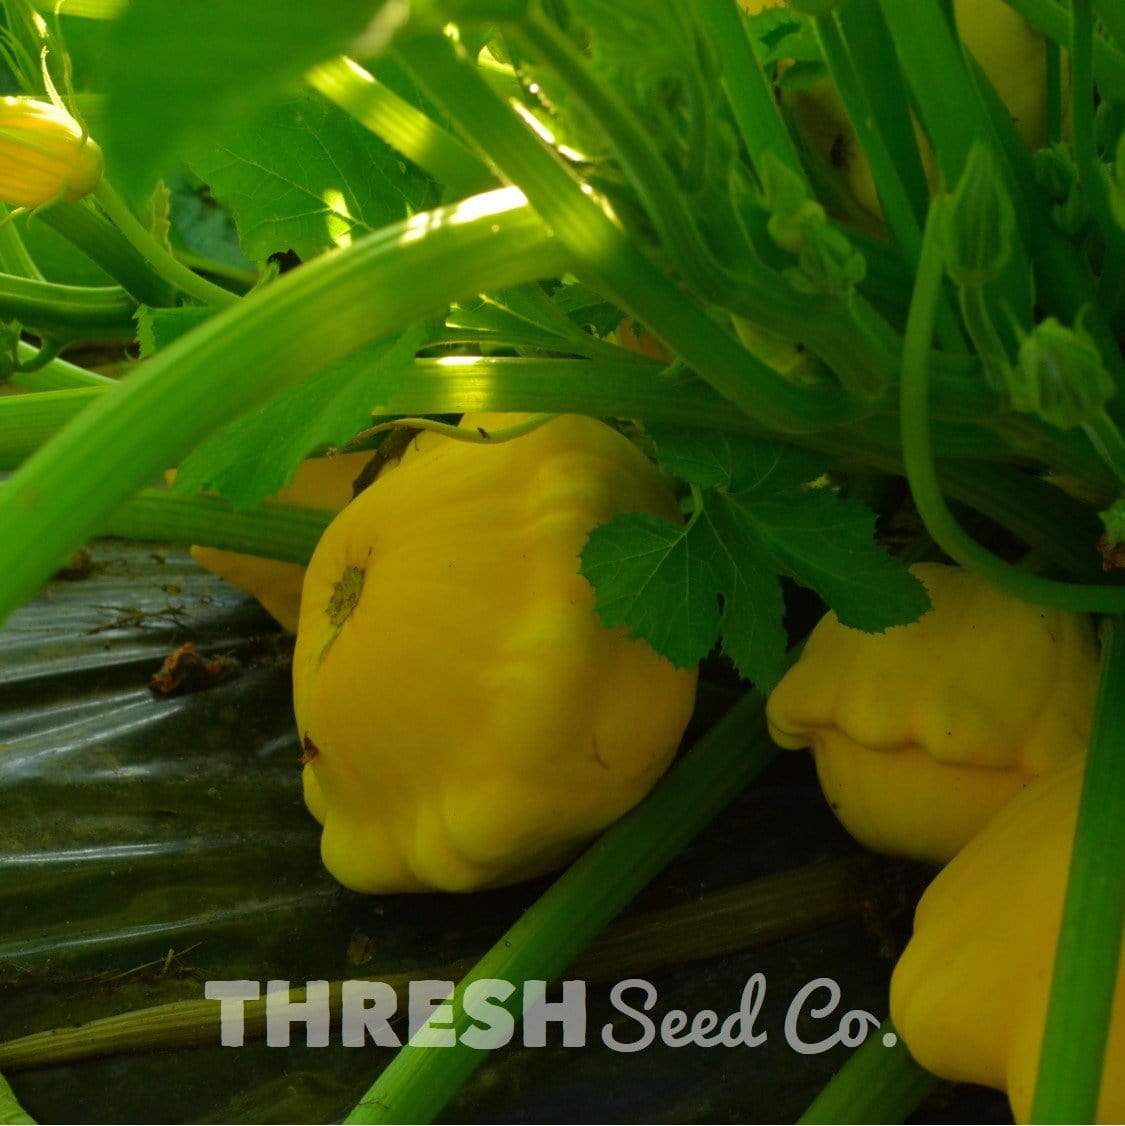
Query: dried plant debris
[78, 567]
[185, 669]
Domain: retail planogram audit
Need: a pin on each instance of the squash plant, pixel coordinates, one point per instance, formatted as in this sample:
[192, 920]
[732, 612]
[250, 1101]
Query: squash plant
[450, 207]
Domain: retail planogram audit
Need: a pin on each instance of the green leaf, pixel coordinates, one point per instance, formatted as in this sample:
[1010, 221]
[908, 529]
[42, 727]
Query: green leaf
[827, 544]
[681, 588]
[585, 307]
[656, 578]
[157, 328]
[255, 456]
[711, 458]
[200, 225]
[306, 176]
[754, 636]
[179, 73]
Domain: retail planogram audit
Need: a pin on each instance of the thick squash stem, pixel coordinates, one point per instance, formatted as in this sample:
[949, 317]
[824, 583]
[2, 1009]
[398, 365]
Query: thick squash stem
[1089, 949]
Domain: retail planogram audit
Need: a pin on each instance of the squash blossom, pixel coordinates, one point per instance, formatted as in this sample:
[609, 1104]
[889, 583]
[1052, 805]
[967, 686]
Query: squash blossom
[466, 717]
[969, 995]
[43, 154]
[923, 732]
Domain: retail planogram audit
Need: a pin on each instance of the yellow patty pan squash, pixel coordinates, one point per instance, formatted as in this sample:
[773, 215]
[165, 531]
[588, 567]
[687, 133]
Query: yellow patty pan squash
[43, 155]
[923, 732]
[467, 719]
[969, 994]
[320, 482]
[1010, 51]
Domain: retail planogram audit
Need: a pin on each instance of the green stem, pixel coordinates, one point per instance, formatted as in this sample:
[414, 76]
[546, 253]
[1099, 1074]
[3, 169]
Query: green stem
[862, 338]
[241, 278]
[272, 339]
[747, 87]
[58, 375]
[14, 258]
[876, 64]
[1089, 947]
[1062, 275]
[640, 158]
[106, 246]
[477, 437]
[1037, 513]
[849, 334]
[1105, 436]
[359, 93]
[27, 421]
[879, 1083]
[70, 311]
[898, 207]
[606, 252]
[1054, 93]
[977, 318]
[163, 263]
[1111, 13]
[956, 119]
[420, 1081]
[273, 531]
[917, 453]
[1085, 149]
[1053, 20]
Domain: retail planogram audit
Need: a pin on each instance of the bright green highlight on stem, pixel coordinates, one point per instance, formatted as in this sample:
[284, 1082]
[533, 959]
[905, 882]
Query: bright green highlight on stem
[357, 91]
[419, 1082]
[917, 450]
[1089, 949]
[879, 1083]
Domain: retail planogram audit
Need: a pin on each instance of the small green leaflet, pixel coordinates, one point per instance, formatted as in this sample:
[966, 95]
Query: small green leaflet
[683, 587]
[157, 328]
[256, 455]
[306, 175]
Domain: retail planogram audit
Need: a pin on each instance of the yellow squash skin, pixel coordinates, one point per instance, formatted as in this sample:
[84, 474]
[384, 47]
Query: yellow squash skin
[1011, 52]
[320, 482]
[923, 732]
[470, 721]
[43, 155]
[969, 994]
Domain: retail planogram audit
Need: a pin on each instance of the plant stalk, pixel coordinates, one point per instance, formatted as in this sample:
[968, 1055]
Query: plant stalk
[551, 934]
[1088, 955]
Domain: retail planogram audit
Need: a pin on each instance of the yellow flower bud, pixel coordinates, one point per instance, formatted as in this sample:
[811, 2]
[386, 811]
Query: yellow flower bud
[43, 154]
